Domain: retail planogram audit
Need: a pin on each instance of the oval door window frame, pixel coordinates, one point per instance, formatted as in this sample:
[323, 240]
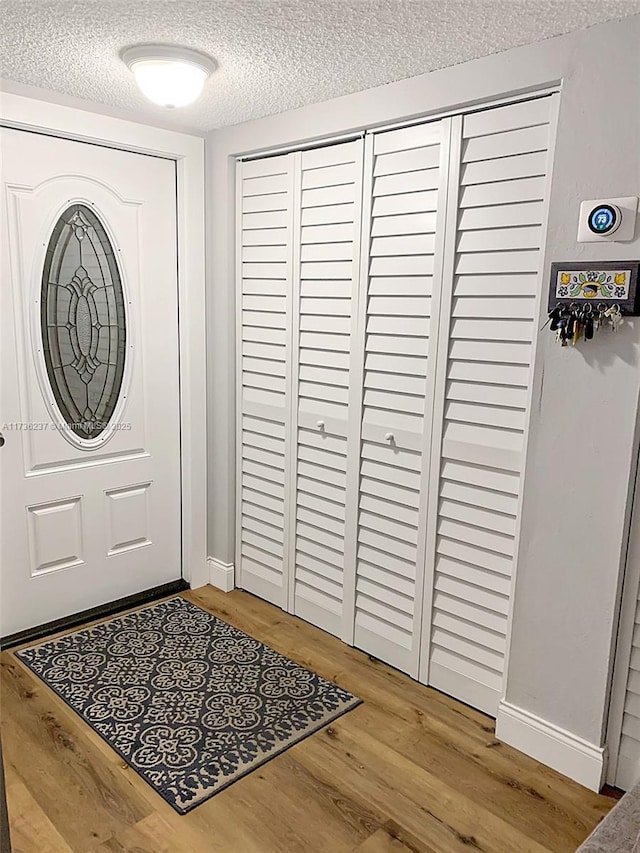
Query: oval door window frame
[61, 425]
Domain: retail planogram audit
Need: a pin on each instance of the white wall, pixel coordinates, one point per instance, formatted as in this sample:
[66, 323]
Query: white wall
[586, 399]
[581, 449]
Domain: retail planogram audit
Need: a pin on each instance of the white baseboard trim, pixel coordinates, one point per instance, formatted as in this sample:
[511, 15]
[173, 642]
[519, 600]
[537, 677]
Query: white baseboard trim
[221, 575]
[565, 752]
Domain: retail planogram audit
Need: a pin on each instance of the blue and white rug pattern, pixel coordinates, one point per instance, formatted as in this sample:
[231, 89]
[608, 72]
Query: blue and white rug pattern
[189, 701]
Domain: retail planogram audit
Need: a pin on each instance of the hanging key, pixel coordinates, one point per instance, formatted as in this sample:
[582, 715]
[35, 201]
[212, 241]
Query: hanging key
[554, 318]
[577, 331]
[588, 323]
[616, 319]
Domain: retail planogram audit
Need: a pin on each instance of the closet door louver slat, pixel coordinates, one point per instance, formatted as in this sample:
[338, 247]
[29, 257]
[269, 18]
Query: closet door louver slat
[628, 758]
[623, 733]
[265, 191]
[407, 174]
[326, 249]
[484, 372]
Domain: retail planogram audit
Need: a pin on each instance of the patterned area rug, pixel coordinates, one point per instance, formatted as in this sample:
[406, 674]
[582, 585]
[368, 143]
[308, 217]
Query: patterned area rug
[191, 703]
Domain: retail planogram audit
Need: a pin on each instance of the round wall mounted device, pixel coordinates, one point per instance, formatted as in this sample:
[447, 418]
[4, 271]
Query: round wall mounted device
[604, 219]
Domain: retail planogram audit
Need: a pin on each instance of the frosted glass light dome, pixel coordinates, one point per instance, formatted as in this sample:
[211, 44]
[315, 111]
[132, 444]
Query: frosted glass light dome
[168, 75]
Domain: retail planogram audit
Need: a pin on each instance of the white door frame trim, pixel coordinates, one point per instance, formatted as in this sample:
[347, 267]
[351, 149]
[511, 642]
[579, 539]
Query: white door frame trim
[26, 113]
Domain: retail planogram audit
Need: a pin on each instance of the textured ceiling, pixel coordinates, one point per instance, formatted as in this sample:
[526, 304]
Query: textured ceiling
[273, 55]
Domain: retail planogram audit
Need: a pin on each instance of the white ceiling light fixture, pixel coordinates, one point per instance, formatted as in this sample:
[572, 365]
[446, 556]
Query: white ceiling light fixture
[168, 75]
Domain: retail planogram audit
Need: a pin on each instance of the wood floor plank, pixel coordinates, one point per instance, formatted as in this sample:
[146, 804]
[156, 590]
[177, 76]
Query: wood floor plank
[49, 746]
[390, 839]
[555, 809]
[409, 771]
[282, 803]
[323, 811]
[427, 805]
[31, 829]
[415, 737]
[255, 819]
[155, 834]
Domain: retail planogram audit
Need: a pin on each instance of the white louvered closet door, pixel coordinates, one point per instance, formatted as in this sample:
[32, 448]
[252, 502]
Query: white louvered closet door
[623, 725]
[326, 255]
[627, 772]
[265, 213]
[405, 194]
[484, 373]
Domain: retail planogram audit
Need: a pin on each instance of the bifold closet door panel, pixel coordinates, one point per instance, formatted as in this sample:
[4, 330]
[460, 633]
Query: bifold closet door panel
[389, 293]
[326, 254]
[265, 217]
[406, 171]
[484, 372]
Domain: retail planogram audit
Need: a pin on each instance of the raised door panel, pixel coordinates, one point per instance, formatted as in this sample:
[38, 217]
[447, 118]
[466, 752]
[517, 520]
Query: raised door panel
[264, 256]
[326, 254]
[406, 170]
[485, 362]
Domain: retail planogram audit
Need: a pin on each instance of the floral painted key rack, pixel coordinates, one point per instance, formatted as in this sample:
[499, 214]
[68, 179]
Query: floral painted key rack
[584, 297]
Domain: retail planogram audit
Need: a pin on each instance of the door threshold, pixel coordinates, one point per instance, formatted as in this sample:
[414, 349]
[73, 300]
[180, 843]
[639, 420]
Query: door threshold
[103, 610]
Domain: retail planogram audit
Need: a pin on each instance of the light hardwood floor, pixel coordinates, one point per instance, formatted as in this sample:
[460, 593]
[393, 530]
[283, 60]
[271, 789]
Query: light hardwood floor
[409, 771]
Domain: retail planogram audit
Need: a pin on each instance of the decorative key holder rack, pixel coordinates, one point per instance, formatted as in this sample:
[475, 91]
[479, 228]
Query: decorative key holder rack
[585, 297]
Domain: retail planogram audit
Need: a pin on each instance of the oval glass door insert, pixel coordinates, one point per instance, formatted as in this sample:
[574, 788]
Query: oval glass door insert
[83, 322]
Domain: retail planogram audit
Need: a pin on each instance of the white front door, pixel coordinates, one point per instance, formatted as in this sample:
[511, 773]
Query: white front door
[89, 395]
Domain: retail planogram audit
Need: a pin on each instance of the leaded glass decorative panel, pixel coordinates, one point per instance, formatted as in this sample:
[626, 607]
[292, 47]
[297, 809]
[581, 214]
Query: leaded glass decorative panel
[83, 321]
